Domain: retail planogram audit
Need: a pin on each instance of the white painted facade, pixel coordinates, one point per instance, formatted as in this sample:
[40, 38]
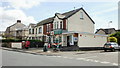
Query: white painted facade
[75, 23]
[84, 39]
[38, 32]
[89, 40]
[57, 22]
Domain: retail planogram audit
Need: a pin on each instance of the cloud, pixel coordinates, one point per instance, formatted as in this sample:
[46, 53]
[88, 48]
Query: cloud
[107, 10]
[12, 11]
[24, 3]
[9, 17]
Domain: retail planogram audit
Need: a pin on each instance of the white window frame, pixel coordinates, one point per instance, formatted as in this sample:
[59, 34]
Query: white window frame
[40, 30]
[81, 15]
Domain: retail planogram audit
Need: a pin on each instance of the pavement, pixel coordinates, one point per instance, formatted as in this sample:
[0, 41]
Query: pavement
[39, 51]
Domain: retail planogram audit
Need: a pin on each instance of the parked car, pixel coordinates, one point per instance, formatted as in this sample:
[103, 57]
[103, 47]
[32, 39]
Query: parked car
[111, 46]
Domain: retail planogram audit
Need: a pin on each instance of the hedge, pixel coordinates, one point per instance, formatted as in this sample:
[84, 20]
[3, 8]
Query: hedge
[16, 40]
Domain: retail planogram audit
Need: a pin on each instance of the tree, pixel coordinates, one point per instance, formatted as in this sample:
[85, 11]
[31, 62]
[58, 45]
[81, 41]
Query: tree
[112, 39]
[117, 35]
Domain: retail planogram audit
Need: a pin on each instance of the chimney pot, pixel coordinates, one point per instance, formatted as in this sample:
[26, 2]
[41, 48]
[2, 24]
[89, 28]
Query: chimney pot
[18, 21]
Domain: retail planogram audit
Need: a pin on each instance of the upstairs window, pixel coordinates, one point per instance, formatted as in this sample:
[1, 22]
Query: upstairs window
[57, 25]
[40, 30]
[29, 31]
[54, 25]
[47, 28]
[36, 30]
[32, 31]
[60, 24]
[81, 15]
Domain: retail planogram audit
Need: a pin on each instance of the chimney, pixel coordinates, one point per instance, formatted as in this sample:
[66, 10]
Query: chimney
[18, 21]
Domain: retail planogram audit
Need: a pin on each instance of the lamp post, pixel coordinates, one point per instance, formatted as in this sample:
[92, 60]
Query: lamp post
[109, 23]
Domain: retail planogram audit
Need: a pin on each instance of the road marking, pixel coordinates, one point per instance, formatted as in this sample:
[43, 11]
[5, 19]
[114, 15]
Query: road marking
[51, 56]
[96, 61]
[65, 57]
[80, 58]
[115, 64]
[90, 57]
[58, 56]
[105, 62]
[85, 59]
[89, 60]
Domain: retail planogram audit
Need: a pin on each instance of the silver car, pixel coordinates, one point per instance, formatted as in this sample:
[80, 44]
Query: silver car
[111, 46]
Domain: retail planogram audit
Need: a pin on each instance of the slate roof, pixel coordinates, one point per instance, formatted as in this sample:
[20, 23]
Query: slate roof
[66, 14]
[107, 31]
[32, 25]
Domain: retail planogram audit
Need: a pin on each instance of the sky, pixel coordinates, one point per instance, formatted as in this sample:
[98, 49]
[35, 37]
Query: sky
[33, 11]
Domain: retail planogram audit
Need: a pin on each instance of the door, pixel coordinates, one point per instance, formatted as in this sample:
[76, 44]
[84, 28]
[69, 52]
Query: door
[68, 38]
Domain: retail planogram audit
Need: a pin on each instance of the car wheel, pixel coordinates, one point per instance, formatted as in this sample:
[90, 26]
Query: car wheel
[113, 50]
[105, 50]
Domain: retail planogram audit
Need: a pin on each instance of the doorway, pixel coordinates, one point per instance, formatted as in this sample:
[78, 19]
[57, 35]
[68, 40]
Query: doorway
[68, 38]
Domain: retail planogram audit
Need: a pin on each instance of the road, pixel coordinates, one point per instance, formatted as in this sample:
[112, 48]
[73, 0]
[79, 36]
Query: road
[11, 58]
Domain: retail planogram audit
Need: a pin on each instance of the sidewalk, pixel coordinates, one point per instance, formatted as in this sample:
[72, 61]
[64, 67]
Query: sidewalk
[39, 51]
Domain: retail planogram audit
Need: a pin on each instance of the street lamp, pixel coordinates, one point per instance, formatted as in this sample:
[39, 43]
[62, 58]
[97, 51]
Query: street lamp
[109, 23]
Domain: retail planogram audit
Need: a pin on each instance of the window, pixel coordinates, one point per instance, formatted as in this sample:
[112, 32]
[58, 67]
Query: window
[40, 29]
[29, 31]
[61, 25]
[54, 25]
[36, 30]
[47, 27]
[32, 31]
[57, 25]
[81, 15]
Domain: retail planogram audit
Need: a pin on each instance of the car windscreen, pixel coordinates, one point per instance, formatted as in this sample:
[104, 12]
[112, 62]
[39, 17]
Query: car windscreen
[110, 44]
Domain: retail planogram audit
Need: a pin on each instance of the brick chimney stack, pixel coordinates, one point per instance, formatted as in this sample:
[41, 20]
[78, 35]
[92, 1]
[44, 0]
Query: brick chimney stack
[18, 21]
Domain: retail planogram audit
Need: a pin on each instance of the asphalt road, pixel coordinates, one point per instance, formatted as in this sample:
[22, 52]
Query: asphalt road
[11, 58]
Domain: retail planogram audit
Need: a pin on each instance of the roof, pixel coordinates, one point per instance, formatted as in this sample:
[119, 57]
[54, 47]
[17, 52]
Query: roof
[107, 31]
[48, 20]
[117, 30]
[71, 32]
[32, 25]
[66, 15]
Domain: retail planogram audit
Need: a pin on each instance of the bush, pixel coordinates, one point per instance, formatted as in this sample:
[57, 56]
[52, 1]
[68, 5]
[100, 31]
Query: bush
[33, 43]
[112, 39]
[117, 35]
[18, 40]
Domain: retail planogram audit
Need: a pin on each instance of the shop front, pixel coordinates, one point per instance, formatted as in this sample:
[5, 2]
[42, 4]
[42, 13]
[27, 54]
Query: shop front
[69, 39]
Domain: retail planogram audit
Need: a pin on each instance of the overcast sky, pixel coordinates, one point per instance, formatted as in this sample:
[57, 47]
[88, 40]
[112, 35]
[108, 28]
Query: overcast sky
[33, 11]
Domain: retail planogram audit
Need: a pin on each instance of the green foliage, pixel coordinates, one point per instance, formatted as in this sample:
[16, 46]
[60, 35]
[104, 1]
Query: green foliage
[18, 40]
[112, 39]
[117, 35]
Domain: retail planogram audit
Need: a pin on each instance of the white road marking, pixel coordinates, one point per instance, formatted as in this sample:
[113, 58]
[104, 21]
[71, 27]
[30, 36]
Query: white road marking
[115, 64]
[105, 62]
[96, 61]
[65, 57]
[80, 58]
[58, 56]
[85, 59]
[90, 57]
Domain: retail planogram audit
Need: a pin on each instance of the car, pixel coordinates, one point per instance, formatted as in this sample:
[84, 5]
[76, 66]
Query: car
[111, 46]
